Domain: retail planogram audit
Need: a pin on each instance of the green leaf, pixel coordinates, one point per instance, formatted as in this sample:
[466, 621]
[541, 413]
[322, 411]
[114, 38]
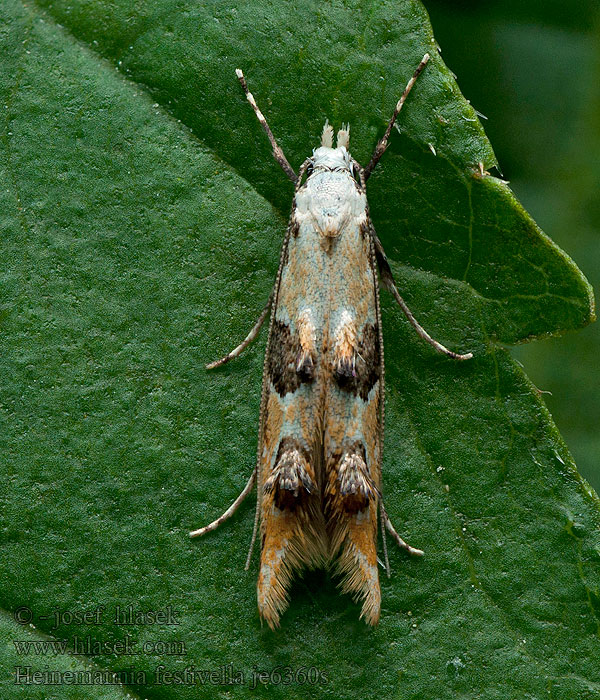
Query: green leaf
[543, 142]
[141, 217]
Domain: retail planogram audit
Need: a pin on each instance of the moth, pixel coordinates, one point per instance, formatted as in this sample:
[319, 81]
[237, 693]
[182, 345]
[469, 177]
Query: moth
[318, 464]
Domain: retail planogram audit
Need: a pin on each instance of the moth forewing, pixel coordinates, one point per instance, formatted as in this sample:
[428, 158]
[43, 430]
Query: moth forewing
[319, 453]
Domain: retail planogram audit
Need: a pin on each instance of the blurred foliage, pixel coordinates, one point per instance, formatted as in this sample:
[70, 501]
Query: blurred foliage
[534, 70]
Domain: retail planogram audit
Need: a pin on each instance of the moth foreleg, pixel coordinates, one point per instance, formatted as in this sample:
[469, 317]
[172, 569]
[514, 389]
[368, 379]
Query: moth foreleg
[382, 145]
[230, 511]
[249, 338]
[277, 152]
[388, 280]
[421, 331]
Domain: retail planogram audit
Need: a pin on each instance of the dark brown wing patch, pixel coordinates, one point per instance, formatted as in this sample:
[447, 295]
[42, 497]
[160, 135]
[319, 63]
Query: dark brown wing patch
[292, 479]
[289, 365]
[349, 487]
[359, 374]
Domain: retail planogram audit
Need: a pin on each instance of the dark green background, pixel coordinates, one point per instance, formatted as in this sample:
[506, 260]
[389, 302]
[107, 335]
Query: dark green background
[533, 68]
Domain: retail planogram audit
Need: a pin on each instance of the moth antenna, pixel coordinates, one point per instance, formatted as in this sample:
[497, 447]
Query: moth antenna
[327, 135]
[382, 145]
[277, 152]
[343, 137]
[254, 533]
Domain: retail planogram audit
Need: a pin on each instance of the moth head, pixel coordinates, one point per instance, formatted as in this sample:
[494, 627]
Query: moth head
[326, 157]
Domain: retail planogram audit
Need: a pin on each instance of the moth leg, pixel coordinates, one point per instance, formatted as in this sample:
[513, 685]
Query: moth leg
[230, 511]
[399, 541]
[382, 145]
[277, 152]
[249, 338]
[386, 560]
[388, 281]
[421, 331]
